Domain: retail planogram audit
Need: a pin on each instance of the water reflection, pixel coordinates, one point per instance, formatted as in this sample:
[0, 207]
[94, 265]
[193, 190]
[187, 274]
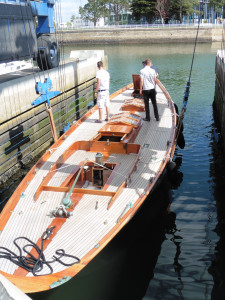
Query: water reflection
[174, 174]
[217, 267]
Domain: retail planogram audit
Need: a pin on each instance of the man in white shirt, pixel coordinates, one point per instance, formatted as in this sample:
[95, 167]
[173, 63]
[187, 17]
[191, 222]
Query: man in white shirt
[144, 63]
[148, 81]
[102, 90]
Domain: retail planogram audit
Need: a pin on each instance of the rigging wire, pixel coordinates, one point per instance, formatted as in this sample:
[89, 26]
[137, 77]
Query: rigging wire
[187, 90]
[61, 67]
[26, 23]
[44, 61]
[223, 42]
[26, 34]
[7, 90]
[76, 163]
[58, 37]
[196, 38]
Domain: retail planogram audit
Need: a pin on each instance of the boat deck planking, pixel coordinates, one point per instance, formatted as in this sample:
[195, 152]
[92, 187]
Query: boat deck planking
[90, 228]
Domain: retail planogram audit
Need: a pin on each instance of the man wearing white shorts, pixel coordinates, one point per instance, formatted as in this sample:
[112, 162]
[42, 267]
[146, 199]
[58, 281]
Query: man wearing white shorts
[102, 89]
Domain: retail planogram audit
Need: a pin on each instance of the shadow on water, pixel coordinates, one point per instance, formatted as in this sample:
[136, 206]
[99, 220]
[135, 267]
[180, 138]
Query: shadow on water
[176, 178]
[175, 175]
[125, 267]
[217, 267]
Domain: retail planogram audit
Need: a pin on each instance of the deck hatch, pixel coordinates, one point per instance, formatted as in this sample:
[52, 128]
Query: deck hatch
[125, 118]
[120, 128]
[134, 104]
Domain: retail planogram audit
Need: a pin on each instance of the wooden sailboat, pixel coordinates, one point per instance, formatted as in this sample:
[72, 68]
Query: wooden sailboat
[84, 190]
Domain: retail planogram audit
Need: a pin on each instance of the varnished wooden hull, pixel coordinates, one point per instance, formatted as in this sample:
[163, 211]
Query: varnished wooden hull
[137, 162]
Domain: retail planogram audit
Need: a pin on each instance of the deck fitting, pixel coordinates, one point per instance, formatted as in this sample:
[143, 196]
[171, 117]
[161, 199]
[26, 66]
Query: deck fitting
[60, 281]
[96, 206]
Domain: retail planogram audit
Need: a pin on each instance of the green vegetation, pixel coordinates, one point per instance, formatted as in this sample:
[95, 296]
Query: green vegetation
[219, 5]
[148, 10]
[117, 7]
[143, 8]
[182, 8]
[165, 9]
[93, 11]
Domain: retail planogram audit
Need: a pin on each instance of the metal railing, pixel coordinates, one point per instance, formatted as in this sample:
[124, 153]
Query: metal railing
[137, 26]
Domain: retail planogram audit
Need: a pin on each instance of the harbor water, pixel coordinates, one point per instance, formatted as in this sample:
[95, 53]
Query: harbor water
[160, 258]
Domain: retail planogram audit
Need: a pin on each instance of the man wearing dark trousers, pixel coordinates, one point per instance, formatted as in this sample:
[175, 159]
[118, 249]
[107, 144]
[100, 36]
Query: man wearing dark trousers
[148, 81]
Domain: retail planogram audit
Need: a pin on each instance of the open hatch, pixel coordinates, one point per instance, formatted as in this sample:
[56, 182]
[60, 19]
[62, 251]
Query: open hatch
[122, 127]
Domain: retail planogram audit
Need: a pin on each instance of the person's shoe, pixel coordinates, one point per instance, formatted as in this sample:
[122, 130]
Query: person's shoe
[157, 119]
[106, 119]
[98, 121]
[146, 119]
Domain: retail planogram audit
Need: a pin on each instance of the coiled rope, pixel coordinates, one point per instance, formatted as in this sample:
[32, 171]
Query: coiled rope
[35, 264]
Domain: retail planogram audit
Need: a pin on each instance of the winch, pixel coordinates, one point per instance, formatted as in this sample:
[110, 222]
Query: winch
[61, 212]
[99, 158]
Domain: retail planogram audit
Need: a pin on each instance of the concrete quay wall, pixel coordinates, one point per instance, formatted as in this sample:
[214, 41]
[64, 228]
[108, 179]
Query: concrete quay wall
[219, 98]
[24, 129]
[142, 35]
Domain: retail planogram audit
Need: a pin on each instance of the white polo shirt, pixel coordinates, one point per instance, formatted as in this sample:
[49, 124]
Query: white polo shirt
[148, 75]
[104, 77]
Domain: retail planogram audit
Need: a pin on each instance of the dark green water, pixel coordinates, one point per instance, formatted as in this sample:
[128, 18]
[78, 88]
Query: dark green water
[149, 259]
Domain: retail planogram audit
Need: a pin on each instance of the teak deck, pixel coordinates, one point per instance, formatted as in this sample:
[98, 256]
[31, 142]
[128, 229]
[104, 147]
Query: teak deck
[135, 160]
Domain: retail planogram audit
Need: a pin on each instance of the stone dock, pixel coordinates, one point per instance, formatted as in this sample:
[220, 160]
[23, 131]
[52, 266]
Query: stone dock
[25, 130]
[166, 34]
[219, 99]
